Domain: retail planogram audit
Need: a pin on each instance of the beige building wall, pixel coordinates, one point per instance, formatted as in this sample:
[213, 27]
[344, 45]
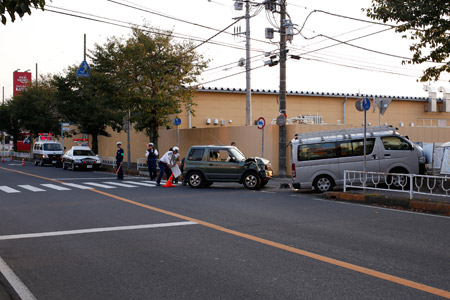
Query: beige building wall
[336, 110]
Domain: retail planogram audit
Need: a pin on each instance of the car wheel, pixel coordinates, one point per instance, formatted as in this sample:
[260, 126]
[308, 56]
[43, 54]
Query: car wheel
[195, 179]
[41, 163]
[252, 181]
[323, 184]
[208, 183]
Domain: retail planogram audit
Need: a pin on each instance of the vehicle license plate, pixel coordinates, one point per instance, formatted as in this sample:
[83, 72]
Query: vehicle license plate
[53, 161]
[89, 166]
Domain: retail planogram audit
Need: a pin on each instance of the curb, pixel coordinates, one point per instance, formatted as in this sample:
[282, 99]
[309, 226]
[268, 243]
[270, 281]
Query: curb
[394, 202]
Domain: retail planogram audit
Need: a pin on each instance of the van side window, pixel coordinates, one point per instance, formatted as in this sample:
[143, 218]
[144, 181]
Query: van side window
[317, 151]
[395, 143]
[196, 154]
[356, 147]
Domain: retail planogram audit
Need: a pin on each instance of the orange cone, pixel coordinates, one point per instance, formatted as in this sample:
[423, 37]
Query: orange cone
[169, 182]
[3, 159]
[11, 158]
[23, 162]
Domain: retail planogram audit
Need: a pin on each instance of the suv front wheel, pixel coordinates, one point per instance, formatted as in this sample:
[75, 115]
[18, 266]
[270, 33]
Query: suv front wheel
[252, 181]
[195, 179]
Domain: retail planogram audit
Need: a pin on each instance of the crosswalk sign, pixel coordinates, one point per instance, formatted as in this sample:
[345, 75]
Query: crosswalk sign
[84, 70]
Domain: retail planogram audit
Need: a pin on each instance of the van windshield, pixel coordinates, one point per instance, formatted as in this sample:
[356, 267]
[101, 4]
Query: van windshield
[52, 147]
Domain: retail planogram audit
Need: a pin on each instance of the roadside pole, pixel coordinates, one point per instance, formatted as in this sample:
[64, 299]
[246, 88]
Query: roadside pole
[261, 125]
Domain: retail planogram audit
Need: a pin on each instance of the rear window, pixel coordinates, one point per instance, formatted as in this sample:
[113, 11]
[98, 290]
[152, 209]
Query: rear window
[196, 154]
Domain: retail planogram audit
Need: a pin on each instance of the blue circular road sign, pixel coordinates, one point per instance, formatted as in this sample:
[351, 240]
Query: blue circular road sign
[366, 103]
[177, 121]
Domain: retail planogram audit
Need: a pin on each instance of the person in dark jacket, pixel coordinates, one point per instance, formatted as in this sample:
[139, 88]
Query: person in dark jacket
[152, 155]
[119, 160]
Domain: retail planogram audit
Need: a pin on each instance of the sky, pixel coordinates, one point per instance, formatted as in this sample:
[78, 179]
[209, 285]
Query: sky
[54, 40]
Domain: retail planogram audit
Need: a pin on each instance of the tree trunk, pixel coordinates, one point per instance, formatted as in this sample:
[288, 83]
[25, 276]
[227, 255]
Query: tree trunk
[95, 143]
[154, 135]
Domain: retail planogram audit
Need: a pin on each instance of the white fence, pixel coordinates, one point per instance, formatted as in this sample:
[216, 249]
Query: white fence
[109, 161]
[395, 182]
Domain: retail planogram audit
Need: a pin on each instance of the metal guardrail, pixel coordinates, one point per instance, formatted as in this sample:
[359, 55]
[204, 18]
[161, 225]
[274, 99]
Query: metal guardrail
[109, 161]
[141, 163]
[396, 182]
[8, 154]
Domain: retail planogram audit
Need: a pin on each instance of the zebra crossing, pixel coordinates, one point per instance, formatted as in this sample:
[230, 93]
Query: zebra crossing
[67, 186]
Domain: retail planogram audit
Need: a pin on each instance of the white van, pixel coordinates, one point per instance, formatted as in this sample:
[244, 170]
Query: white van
[47, 151]
[320, 158]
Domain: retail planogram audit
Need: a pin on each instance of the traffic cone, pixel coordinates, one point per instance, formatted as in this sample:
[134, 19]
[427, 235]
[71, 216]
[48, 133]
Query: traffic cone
[11, 159]
[23, 162]
[3, 159]
[169, 182]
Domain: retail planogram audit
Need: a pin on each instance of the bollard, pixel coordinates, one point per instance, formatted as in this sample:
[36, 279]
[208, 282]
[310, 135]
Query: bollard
[23, 162]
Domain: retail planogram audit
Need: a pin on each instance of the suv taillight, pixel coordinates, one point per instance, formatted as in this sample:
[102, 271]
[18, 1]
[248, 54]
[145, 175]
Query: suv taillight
[293, 171]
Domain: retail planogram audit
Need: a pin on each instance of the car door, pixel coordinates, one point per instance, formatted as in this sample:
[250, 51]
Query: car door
[222, 166]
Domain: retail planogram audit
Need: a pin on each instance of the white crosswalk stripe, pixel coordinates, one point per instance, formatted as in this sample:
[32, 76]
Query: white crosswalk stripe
[100, 185]
[55, 187]
[121, 184]
[8, 189]
[78, 186]
[141, 183]
[66, 186]
[31, 188]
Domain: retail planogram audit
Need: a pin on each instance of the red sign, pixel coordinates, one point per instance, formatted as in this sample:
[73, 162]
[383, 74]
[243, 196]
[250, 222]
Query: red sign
[21, 80]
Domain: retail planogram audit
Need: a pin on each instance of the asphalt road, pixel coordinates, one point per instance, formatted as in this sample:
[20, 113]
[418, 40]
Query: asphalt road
[59, 241]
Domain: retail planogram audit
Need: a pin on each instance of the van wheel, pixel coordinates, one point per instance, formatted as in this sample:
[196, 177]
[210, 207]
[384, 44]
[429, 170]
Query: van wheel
[73, 167]
[252, 181]
[323, 183]
[64, 166]
[195, 179]
[398, 181]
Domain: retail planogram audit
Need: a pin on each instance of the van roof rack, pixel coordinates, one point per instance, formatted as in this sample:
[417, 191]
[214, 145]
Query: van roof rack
[345, 133]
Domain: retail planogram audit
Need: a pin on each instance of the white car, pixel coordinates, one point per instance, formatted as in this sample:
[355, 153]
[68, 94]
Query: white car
[81, 157]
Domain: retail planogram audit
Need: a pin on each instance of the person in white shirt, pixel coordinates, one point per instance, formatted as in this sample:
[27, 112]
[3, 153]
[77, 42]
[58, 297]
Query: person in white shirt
[152, 155]
[167, 161]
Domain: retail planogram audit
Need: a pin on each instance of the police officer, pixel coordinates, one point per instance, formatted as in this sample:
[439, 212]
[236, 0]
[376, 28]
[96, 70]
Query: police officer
[152, 155]
[119, 160]
[167, 161]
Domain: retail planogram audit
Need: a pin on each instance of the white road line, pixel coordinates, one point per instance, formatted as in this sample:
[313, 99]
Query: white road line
[55, 187]
[120, 184]
[8, 189]
[141, 183]
[100, 185]
[92, 230]
[17, 284]
[31, 188]
[78, 186]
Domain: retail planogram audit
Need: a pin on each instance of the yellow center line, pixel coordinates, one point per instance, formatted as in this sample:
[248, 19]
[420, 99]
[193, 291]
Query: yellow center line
[318, 257]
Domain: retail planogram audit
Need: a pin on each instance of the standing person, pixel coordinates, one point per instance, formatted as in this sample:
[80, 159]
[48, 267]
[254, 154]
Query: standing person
[167, 161]
[152, 155]
[233, 144]
[119, 160]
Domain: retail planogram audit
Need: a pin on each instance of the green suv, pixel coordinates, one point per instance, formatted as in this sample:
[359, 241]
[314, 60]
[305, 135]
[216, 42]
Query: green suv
[207, 164]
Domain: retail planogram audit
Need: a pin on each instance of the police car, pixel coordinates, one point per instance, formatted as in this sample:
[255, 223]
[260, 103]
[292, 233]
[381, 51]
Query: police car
[47, 151]
[81, 157]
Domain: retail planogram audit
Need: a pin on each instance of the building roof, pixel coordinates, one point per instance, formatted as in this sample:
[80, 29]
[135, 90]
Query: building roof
[317, 94]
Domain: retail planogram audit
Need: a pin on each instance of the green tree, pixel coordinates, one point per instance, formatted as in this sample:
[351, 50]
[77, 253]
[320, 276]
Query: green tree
[426, 23]
[19, 7]
[155, 76]
[35, 108]
[9, 123]
[90, 103]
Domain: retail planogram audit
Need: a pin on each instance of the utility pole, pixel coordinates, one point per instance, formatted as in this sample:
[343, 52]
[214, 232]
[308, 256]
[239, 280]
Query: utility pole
[84, 57]
[248, 105]
[282, 125]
